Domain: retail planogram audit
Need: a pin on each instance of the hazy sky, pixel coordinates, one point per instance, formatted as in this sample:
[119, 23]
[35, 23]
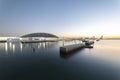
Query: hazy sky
[60, 17]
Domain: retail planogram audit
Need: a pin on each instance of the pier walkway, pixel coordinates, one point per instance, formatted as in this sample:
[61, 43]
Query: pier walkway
[69, 48]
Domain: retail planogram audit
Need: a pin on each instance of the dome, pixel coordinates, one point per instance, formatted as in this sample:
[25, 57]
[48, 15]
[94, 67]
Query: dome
[40, 35]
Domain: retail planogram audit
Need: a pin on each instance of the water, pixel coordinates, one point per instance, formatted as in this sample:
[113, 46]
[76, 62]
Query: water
[43, 61]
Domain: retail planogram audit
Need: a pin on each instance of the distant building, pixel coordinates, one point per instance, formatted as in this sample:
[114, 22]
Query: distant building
[39, 37]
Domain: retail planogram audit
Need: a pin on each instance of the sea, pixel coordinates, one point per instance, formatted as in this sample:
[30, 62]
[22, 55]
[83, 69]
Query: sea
[43, 61]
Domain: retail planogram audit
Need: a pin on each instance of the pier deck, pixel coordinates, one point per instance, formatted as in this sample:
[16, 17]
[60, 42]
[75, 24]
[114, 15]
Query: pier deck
[69, 48]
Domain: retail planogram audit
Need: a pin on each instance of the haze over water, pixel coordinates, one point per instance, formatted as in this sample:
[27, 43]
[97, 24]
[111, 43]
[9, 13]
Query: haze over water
[43, 61]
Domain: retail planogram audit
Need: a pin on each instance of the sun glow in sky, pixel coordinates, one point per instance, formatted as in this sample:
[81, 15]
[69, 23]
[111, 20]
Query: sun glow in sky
[60, 17]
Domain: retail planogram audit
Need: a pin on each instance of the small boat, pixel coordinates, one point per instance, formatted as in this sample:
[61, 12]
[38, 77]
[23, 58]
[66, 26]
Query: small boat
[89, 42]
[85, 40]
[89, 46]
[97, 39]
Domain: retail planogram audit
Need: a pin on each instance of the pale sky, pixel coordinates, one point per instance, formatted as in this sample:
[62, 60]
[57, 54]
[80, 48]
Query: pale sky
[60, 17]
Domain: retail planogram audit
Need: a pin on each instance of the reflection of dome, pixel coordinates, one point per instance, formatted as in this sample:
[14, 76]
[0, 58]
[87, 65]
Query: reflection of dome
[40, 35]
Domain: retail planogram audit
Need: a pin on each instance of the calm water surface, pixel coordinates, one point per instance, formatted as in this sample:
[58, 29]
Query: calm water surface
[43, 61]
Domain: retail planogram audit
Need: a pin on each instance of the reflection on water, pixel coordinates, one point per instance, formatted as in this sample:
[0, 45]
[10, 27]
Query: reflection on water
[21, 47]
[6, 47]
[18, 47]
[66, 56]
[43, 61]
[107, 49]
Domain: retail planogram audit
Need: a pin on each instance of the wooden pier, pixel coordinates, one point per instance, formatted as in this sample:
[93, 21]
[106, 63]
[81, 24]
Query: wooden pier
[70, 48]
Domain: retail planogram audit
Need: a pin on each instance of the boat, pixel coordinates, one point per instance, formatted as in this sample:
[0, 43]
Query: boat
[97, 39]
[88, 46]
[89, 42]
